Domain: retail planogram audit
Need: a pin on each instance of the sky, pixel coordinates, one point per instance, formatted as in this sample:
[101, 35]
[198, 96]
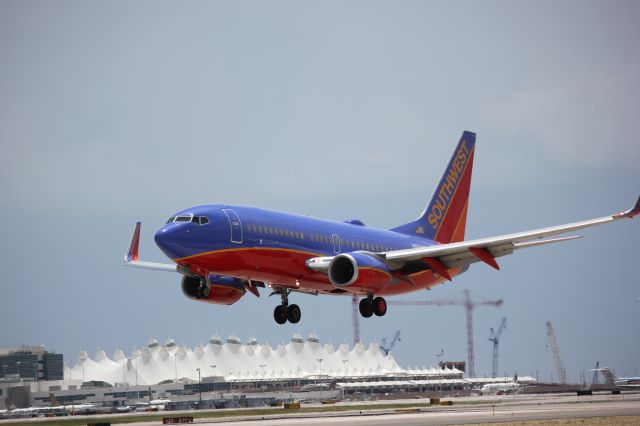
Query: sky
[115, 112]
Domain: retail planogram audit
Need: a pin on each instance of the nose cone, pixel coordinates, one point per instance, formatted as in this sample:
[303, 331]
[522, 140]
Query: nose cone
[168, 240]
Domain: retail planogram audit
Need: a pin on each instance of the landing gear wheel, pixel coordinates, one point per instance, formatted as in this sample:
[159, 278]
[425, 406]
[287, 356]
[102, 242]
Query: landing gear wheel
[366, 307]
[379, 306]
[293, 314]
[280, 314]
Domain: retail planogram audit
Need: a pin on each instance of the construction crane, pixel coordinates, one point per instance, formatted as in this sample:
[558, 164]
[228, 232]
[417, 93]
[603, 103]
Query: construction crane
[595, 374]
[468, 305]
[355, 319]
[556, 353]
[494, 336]
[386, 349]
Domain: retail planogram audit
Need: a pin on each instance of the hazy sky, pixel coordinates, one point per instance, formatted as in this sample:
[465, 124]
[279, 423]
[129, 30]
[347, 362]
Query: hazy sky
[113, 112]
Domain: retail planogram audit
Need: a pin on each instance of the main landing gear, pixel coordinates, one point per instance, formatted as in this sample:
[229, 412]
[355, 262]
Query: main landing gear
[285, 312]
[370, 305]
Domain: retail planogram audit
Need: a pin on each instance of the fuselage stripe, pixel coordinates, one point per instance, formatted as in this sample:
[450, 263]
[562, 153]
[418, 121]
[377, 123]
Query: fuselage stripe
[205, 253]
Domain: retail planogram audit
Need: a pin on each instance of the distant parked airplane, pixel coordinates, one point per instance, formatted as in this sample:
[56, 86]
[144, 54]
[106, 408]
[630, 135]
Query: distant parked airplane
[623, 382]
[224, 250]
[502, 388]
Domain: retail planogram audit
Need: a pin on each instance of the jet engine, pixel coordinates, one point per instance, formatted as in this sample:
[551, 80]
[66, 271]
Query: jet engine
[222, 290]
[359, 271]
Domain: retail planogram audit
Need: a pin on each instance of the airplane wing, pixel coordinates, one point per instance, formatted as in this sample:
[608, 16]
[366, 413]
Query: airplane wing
[131, 258]
[441, 257]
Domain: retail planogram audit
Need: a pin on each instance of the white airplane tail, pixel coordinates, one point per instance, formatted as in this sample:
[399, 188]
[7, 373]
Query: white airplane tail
[609, 377]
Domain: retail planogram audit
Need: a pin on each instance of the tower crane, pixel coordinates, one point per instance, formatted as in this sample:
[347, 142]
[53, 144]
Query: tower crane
[468, 305]
[556, 352]
[494, 336]
[386, 349]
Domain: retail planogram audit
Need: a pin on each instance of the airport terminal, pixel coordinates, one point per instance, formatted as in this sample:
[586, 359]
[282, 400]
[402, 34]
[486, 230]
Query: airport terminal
[222, 373]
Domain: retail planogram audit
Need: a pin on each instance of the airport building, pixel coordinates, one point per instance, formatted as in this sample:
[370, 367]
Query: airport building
[31, 362]
[224, 371]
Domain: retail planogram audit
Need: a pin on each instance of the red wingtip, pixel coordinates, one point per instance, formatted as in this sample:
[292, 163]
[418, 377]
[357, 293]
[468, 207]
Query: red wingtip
[132, 254]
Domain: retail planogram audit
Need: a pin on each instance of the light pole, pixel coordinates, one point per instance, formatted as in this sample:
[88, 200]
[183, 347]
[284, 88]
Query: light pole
[262, 366]
[18, 369]
[4, 370]
[344, 364]
[213, 366]
[199, 389]
[320, 362]
[175, 365]
[67, 364]
[35, 369]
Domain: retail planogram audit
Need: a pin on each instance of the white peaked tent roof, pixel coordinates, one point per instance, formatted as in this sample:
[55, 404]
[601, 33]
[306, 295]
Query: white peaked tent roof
[234, 360]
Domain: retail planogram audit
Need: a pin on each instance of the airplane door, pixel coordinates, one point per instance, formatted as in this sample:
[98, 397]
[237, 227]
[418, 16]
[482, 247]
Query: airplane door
[235, 224]
[336, 243]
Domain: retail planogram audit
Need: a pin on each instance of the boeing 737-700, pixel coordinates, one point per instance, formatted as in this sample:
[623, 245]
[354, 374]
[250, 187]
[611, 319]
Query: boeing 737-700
[223, 251]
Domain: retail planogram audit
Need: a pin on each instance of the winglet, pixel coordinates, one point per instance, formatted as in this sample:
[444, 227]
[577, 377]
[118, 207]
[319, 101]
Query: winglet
[629, 213]
[132, 254]
[635, 210]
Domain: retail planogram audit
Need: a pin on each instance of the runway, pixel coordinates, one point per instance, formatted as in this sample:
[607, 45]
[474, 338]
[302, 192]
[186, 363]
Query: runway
[464, 411]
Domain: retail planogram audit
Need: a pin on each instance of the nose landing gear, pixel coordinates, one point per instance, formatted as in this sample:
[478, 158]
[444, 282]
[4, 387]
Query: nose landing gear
[285, 312]
[370, 305]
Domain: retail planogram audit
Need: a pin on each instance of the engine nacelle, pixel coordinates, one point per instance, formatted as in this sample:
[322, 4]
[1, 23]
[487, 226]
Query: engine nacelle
[359, 271]
[223, 291]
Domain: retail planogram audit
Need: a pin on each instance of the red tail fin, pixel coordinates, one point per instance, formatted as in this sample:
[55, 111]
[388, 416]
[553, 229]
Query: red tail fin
[445, 218]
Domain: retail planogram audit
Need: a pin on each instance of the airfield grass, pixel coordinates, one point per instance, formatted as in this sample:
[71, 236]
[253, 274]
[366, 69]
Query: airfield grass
[123, 418]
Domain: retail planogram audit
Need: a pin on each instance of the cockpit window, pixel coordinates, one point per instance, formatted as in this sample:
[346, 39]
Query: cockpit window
[201, 220]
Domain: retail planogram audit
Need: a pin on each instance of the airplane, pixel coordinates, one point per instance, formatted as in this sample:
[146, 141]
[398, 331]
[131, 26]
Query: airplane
[502, 388]
[223, 251]
[623, 382]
